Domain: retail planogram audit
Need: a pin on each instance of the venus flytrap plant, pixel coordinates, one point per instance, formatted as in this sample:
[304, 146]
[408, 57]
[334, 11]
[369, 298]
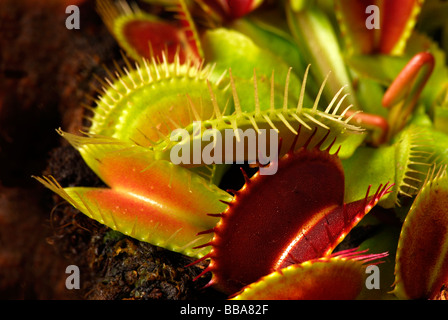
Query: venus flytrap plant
[271, 33]
[110, 149]
[140, 203]
[391, 52]
[317, 40]
[188, 42]
[403, 94]
[145, 102]
[400, 98]
[377, 126]
[276, 237]
[379, 71]
[422, 254]
[283, 119]
[413, 149]
[230, 49]
[261, 232]
[410, 149]
[405, 162]
[144, 35]
[340, 276]
[396, 22]
[148, 199]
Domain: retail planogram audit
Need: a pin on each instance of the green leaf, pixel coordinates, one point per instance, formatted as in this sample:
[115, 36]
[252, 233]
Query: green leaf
[317, 39]
[369, 166]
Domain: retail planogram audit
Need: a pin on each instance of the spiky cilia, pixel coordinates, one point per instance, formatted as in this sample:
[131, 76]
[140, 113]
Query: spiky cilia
[141, 203]
[339, 276]
[305, 218]
[145, 102]
[284, 119]
[150, 200]
[421, 266]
